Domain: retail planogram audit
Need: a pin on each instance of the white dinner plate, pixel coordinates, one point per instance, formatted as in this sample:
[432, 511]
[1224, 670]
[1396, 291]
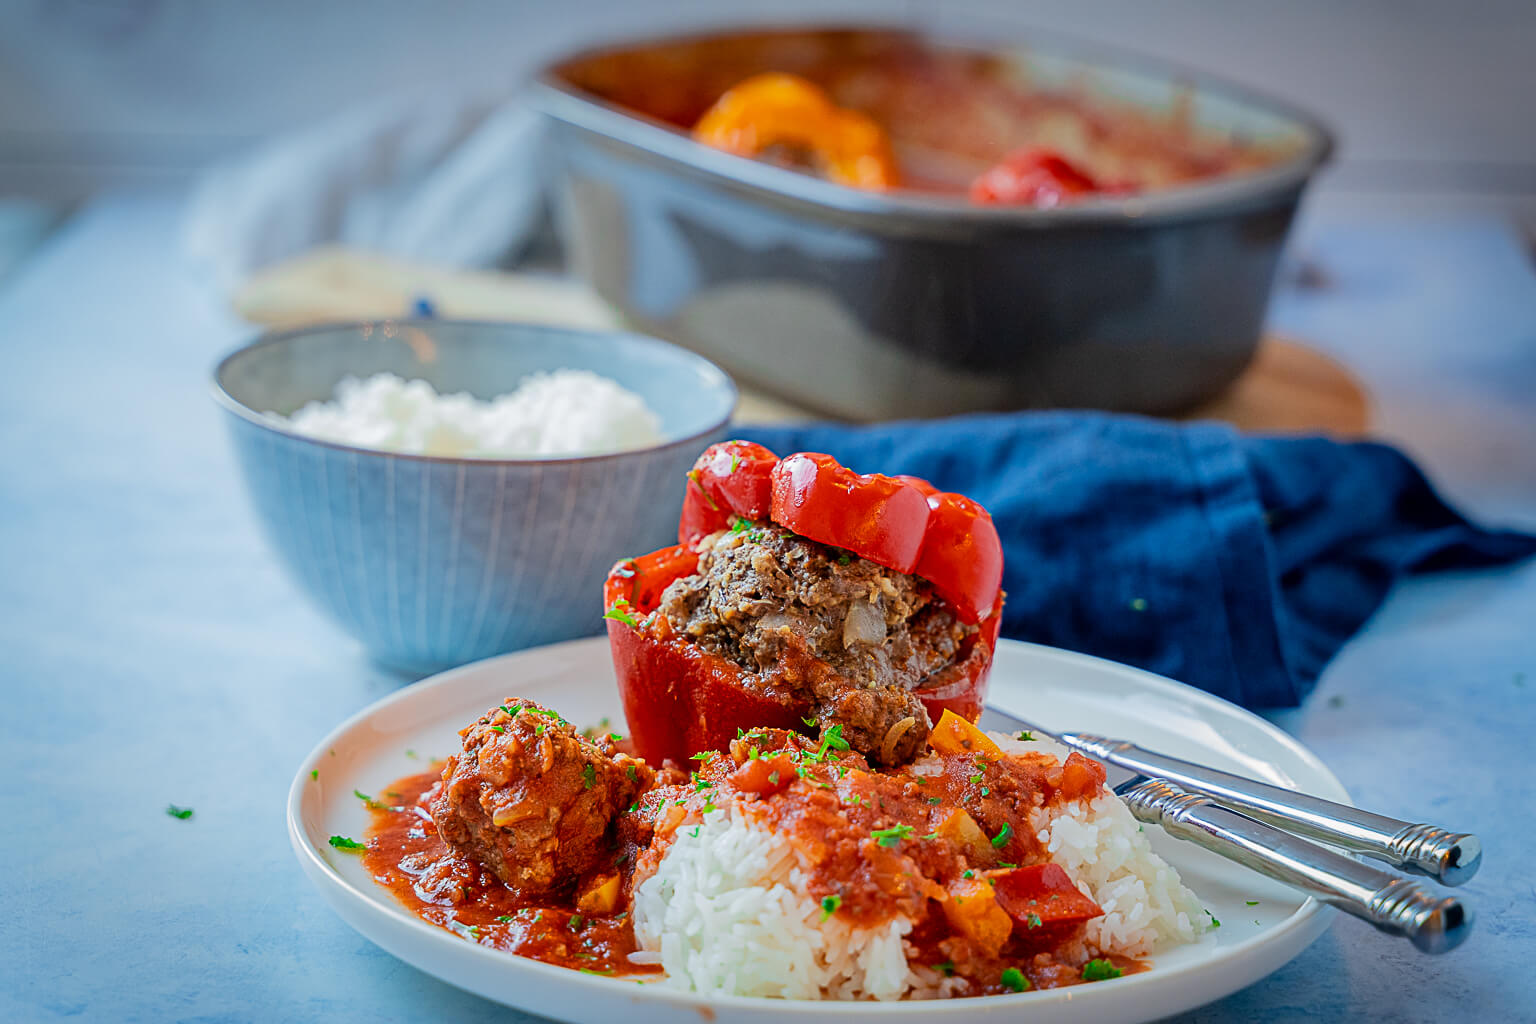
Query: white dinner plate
[1263, 924]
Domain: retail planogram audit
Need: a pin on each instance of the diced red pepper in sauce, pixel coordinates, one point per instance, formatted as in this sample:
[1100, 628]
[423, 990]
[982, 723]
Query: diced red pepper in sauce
[764, 775]
[1047, 909]
[1081, 777]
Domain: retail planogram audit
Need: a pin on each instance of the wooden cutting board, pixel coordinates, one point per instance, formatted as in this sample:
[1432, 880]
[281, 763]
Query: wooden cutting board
[1289, 388]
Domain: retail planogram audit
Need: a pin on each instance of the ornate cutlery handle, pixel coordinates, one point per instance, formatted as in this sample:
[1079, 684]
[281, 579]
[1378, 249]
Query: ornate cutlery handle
[1395, 905]
[1451, 857]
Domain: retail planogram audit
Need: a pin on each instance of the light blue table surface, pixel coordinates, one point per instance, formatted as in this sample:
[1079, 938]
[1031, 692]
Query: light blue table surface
[155, 653]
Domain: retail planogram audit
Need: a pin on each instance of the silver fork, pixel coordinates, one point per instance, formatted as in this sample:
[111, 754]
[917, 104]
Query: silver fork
[1186, 809]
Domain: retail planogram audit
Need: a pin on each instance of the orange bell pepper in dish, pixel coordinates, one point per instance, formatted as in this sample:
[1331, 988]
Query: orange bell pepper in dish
[777, 109]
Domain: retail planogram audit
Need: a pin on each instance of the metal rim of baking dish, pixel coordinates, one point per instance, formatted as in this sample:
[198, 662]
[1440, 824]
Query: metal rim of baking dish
[914, 211]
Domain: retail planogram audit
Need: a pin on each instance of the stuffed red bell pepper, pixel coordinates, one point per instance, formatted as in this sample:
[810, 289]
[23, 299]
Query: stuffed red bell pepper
[803, 595]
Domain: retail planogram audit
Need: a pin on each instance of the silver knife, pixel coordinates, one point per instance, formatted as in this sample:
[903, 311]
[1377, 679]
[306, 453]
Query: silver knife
[1394, 905]
[1450, 857]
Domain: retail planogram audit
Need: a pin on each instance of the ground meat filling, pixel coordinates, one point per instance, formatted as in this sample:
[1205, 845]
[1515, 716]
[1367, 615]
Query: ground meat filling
[852, 637]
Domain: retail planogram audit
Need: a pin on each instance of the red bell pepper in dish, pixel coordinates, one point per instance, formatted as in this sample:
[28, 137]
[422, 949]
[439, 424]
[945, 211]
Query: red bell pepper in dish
[1033, 177]
[680, 698]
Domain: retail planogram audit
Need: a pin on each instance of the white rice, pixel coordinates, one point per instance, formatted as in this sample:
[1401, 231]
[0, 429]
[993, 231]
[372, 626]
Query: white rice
[727, 910]
[564, 412]
[1102, 847]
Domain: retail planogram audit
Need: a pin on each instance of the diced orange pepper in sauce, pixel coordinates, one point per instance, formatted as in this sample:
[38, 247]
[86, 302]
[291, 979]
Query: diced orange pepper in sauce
[973, 911]
[961, 830]
[599, 895]
[954, 735]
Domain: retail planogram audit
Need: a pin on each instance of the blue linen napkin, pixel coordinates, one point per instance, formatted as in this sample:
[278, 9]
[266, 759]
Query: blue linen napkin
[1236, 563]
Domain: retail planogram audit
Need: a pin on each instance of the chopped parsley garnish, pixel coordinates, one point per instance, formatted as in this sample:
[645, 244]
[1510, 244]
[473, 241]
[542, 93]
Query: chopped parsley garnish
[985, 791]
[833, 738]
[538, 730]
[698, 482]
[1252, 903]
[629, 770]
[1013, 979]
[588, 970]
[1033, 921]
[1026, 736]
[829, 905]
[512, 712]
[810, 722]
[967, 873]
[947, 968]
[1008, 864]
[314, 773]
[695, 832]
[343, 843]
[702, 755]
[630, 809]
[615, 737]
[741, 526]
[935, 800]
[588, 775]
[369, 802]
[892, 836]
[506, 919]
[180, 813]
[1100, 970]
[620, 613]
[499, 728]
[576, 922]
[1001, 839]
[709, 805]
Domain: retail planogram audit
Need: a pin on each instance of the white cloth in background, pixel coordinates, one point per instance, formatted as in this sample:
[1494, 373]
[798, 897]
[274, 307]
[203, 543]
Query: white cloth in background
[450, 181]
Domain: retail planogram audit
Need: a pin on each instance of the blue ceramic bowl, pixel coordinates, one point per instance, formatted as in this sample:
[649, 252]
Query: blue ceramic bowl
[432, 562]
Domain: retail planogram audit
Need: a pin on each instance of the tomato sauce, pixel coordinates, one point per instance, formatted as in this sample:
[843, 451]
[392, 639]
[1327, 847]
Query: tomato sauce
[878, 841]
[445, 888]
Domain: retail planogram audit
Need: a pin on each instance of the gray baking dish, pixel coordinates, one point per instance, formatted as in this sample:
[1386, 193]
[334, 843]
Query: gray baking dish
[889, 305]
